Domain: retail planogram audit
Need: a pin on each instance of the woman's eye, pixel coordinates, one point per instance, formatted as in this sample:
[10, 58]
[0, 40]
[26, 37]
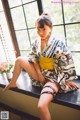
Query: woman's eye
[38, 30]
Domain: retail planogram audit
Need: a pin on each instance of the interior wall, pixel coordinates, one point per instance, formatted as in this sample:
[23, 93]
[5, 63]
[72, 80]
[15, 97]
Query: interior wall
[28, 104]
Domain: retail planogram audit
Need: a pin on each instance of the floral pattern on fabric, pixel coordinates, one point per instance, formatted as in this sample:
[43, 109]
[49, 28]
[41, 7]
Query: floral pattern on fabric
[64, 65]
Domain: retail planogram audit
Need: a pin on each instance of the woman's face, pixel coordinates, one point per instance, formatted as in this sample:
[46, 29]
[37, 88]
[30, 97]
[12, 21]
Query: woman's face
[44, 32]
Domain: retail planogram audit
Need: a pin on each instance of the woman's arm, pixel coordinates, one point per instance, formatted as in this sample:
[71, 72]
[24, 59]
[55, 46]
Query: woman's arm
[33, 58]
[37, 68]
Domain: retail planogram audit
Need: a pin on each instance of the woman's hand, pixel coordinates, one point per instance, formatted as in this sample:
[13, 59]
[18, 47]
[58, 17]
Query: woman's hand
[71, 84]
[41, 78]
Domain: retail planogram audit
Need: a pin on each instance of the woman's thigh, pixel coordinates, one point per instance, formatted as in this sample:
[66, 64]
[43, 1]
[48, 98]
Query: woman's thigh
[48, 93]
[29, 67]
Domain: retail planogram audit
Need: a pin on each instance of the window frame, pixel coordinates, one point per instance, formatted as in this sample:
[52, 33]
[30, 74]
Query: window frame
[41, 10]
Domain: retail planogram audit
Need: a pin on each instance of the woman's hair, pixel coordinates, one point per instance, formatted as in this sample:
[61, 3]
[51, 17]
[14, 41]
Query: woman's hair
[44, 19]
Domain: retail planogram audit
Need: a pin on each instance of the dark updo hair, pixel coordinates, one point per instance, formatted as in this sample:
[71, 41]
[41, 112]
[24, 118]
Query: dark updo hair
[44, 19]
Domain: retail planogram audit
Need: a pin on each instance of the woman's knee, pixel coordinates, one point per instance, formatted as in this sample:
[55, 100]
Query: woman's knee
[42, 106]
[20, 60]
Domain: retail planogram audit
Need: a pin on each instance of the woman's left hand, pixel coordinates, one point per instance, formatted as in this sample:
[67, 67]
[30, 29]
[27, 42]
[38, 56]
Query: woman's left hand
[71, 84]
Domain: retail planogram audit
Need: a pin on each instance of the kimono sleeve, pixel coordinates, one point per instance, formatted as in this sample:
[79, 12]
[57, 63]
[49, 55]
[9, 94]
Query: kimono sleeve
[33, 54]
[69, 67]
[65, 63]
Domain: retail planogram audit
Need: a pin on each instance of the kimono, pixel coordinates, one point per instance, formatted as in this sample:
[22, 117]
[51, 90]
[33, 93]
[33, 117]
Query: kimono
[64, 68]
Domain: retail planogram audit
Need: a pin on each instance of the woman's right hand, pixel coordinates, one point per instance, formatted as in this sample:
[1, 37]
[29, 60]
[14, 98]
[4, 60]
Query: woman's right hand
[41, 78]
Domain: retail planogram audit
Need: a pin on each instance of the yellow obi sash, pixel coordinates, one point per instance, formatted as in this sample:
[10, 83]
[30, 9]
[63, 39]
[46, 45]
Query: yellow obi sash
[46, 63]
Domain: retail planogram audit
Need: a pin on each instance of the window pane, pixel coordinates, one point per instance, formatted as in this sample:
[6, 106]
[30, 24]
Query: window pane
[72, 11]
[54, 10]
[26, 1]
[1, 7]
[13, 3]
[18, 18]
[7, 38]
[2, 53]
[76, 57]
[23, 40]
[73, 36]
[31, 12]
[58, 32]
[24, 52]
[33, 35]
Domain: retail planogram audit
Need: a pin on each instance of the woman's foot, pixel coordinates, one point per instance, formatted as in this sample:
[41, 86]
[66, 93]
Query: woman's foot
[10, 85]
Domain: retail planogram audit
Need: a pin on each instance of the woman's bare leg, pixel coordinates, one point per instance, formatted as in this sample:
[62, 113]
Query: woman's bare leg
[45, 100]
[22, 63]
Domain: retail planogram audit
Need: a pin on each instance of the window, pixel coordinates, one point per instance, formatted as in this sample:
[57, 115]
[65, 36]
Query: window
[7, 50]
[66, 23]
[24, 14]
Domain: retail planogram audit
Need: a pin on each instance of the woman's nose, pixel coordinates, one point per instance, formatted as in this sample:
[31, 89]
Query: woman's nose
[41, 32]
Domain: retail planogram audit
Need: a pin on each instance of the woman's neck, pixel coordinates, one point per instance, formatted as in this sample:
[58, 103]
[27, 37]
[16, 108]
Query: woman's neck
[44, 42]
[46, 39]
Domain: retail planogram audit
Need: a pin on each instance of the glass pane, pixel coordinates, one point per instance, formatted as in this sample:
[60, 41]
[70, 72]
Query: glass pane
[54, 10]
[58, 32]
[24, 52]
[76, 57]
[13, 3]
[73, 36]
[33, 35]
[1, 7]
[2, 53]
[6, 36]
[23, 40]
[31, 12]
[26, 1]
[18, 18]
[72, 11]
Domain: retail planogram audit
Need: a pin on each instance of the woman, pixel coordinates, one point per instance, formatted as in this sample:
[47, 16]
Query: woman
[50, 65]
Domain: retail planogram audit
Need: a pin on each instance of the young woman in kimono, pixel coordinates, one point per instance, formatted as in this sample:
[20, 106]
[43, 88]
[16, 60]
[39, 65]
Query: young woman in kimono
[49, 64]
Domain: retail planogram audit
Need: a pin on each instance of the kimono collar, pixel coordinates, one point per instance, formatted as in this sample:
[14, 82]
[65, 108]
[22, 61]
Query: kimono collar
[50, 39]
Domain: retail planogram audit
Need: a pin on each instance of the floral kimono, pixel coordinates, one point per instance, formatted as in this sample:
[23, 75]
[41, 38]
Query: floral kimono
[63, 63]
